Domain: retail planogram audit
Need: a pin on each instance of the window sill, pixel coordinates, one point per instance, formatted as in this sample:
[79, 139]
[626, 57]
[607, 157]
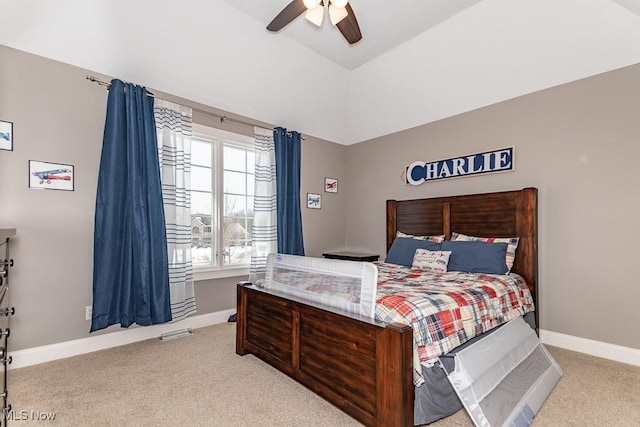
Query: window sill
[220, 273]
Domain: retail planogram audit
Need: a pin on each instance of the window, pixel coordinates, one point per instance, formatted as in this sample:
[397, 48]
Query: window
[222, 182]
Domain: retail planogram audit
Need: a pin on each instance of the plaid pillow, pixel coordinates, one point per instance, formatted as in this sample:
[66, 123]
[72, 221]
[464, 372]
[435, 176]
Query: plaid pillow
[431, 260]
[434, 239]
[512, 244]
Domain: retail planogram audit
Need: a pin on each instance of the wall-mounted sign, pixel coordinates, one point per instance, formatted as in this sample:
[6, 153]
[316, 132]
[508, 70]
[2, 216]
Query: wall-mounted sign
[500, 160]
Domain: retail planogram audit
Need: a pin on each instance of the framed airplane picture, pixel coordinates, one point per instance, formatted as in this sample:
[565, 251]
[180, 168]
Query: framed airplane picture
[50, 176]
[330, 185]
[6, 135]
[314, 201]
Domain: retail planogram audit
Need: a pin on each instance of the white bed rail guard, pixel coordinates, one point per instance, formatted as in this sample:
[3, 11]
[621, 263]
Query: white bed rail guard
[347, 285]
[503, 379]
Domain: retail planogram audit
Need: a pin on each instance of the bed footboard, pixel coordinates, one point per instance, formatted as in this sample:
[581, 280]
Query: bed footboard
[362, 366]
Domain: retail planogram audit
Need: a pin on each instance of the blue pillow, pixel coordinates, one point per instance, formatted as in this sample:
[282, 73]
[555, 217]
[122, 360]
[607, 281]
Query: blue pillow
[403, 249]
[476, 257]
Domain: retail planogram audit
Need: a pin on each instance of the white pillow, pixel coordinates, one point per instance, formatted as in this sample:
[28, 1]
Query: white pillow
[436, 261]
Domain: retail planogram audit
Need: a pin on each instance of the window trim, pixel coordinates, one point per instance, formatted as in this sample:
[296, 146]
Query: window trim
[220, 138]
[211, 273]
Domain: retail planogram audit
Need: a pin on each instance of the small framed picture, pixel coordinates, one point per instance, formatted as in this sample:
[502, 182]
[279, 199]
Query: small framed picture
[330, 185]
[50, 176]
[314, 201]
[6, 135]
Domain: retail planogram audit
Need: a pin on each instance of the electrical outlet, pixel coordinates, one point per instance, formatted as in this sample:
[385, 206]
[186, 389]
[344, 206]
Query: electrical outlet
[88, 311]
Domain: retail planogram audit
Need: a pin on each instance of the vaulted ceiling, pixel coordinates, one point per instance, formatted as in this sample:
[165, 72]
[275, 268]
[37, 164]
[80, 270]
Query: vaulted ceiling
[386, 24]
[419, 60]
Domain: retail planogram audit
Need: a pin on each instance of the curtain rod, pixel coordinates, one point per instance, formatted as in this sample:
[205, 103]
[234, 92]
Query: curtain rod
[222, 118]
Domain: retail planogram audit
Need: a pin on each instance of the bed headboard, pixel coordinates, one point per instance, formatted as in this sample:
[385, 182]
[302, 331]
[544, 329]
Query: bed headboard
[501, 214]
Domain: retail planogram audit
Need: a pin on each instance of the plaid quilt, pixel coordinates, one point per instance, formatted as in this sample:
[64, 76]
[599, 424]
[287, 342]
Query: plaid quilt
[447, 309]
[444, 309]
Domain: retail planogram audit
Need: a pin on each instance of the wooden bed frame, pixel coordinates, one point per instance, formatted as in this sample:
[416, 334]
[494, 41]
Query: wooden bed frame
[363, 366]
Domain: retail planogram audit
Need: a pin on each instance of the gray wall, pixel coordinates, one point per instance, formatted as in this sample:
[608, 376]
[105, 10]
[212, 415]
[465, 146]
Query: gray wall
[324, 229]
[579, 144]
[58, 117]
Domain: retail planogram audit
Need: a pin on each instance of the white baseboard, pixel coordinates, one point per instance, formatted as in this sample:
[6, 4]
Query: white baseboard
[47, 353]
[605, 350]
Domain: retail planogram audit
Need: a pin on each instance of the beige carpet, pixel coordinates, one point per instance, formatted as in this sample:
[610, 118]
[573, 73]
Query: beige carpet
[200, 381]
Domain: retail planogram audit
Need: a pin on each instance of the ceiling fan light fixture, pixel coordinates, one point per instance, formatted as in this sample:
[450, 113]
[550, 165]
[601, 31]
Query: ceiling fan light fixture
[346, 20]
[310, 4]
[315, 15]
[337, 14]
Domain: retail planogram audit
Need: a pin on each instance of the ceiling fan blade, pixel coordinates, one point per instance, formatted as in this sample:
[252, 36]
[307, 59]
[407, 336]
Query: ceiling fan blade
[288, 14]
[349, 26]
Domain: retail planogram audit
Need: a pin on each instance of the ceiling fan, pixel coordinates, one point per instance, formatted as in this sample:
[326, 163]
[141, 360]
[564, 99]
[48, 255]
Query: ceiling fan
[340, 13]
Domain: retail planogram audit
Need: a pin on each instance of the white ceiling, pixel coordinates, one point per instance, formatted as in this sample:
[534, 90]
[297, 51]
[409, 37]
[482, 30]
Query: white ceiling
[384, 25]
[419, 60]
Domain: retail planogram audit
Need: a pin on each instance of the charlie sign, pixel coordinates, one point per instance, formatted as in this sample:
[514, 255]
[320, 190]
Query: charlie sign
[491, 161]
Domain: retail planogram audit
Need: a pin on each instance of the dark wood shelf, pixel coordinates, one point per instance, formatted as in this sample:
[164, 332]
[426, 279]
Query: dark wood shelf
[352, 256]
